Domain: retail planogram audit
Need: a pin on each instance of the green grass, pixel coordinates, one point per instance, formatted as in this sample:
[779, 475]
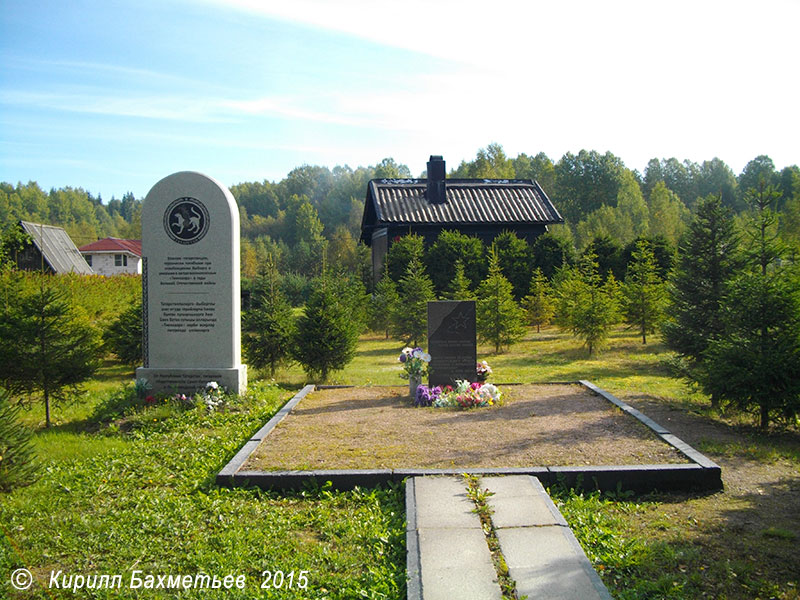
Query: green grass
[110, 501]
[623, 540]
[127, 487]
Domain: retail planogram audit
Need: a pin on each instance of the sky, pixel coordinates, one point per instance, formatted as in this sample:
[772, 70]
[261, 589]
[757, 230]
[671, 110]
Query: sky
[114, 95]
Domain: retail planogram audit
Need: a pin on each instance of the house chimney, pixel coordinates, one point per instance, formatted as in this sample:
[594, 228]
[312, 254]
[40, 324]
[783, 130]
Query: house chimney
[435, 191]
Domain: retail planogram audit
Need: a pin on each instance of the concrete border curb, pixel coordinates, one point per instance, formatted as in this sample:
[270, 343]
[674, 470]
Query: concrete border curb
[700, 474]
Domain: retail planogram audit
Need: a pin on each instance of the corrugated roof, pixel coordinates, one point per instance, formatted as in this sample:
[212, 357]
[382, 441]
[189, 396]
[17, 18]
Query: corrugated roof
[114, 245]
[469, 201]
[57, 248]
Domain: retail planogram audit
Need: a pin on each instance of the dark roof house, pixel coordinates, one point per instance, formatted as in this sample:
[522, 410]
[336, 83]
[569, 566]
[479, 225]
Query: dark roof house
[483, 208]
[51, 249]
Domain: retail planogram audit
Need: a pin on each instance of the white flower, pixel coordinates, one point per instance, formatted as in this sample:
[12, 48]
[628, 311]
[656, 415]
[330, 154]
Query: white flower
[212, 385]
[426, 357]
[489, 390]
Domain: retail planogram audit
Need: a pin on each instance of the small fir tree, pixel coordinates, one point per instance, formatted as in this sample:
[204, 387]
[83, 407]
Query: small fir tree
[383, 304]
[124, 336]
[17, 457]
[459, 288]
[755, 364]
[449, 247]
[515, 256]
[410, 319]
[587, 307]
[643, 294]
[707, 261]
[539, 304]
[326, 334]
[54, 350]
[269, 324]
[499, 320]
[401, 252]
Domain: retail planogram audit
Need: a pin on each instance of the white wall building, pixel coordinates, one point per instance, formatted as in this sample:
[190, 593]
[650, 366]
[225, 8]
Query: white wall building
[113, 256]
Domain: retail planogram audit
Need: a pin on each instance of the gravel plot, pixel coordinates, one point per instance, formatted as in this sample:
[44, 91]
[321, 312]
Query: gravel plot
[536, 425]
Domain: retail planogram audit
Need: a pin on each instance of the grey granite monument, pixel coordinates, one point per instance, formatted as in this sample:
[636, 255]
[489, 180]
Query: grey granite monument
[190, 286]
[451, 342]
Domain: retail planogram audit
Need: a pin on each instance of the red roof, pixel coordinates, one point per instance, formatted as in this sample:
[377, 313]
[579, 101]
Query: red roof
[114, 245]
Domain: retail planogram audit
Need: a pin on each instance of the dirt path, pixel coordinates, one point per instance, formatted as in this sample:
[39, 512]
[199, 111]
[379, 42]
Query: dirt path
[755, 519]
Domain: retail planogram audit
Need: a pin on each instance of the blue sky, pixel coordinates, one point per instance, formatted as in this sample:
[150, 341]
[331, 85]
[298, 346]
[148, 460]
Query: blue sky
[113, 95]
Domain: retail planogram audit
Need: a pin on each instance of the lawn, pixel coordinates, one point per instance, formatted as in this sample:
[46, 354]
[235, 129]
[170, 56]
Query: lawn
[124, 490]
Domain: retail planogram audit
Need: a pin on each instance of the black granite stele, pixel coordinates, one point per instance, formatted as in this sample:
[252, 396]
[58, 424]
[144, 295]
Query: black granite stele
[451, 342]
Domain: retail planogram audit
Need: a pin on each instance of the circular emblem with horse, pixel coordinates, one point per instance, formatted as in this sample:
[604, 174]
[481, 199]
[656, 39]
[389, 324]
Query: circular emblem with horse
[186, 220]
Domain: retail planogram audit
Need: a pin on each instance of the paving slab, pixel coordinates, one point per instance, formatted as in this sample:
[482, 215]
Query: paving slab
[456, 563]
[442, 502]
[545, 564]
[542, 554]
[448, 556]
[520, 501]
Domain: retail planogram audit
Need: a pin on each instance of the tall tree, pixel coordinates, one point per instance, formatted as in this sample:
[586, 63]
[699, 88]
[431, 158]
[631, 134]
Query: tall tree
[310, 244]
[490, 163]
[668, 216]
[643, 292]
[715, 177]
[607, 253]
[707, 261]
[758, 172]
[585, 182]
[500, 320]
[389, 169]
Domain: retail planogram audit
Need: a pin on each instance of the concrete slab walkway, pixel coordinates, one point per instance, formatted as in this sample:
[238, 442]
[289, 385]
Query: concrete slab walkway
[448, 556]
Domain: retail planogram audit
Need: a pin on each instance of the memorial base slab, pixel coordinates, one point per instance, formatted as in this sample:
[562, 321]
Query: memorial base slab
[177, 380]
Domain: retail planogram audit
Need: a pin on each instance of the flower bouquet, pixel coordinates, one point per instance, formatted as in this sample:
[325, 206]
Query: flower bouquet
[415, 364]
[464, 395]
[484, 370]
[213, 396]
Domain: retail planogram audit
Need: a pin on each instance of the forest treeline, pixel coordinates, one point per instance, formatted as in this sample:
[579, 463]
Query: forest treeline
[313, 216]
[714, 271]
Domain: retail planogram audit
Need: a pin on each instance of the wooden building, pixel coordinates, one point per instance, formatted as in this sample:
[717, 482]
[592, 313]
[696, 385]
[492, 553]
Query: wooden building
[49, 249]
[483, 208]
